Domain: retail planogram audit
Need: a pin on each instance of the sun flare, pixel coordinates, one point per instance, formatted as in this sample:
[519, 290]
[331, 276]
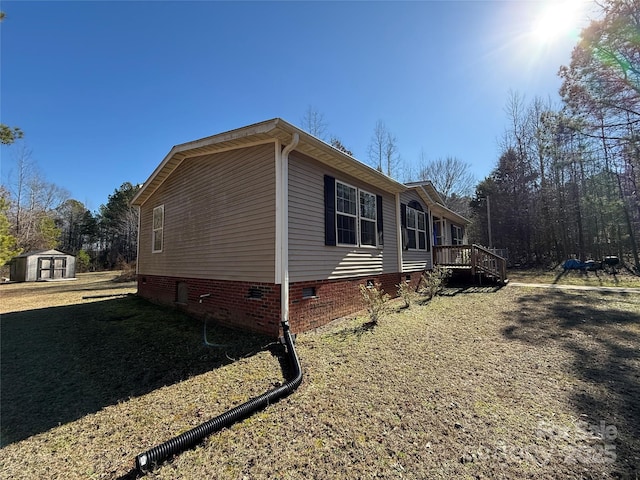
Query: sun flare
[557, 19]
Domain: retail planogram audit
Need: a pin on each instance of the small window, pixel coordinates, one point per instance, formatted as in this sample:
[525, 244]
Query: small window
[158, 229]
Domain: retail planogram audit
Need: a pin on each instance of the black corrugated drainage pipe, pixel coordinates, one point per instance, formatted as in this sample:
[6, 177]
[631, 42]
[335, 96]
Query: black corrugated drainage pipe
[148, 460]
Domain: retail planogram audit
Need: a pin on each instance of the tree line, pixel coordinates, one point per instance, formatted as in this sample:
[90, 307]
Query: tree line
[565, 183]
[566, 180]
[39, 215]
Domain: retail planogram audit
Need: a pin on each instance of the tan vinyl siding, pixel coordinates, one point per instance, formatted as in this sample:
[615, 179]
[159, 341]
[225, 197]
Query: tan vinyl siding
[219, 218]
[415, 260]
[309, 257]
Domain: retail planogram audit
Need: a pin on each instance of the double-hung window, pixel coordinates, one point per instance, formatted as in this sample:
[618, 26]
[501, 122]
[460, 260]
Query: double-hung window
[158, 229]
[355, 216]
[416, 229]
[367, 219]
[352, 216]
[346, 214]
[456, 235]
[422, 230]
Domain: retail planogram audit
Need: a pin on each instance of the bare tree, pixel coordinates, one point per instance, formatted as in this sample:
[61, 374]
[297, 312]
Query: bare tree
[313, 122]
[33, 202]
[451, 176]
[383, 150]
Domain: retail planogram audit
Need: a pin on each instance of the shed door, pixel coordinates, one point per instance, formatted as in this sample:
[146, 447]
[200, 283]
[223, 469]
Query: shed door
[52, 267]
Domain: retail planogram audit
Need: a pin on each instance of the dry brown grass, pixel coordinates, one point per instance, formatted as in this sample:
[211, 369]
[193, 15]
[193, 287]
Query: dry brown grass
[598, 278]
[477, 384]
[18, 297]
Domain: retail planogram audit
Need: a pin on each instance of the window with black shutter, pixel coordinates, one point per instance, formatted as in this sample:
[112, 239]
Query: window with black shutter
[353, 217]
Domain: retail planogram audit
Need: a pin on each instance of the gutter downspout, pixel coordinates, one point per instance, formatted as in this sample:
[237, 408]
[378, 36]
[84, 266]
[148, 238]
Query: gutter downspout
[148, 460]
[284, 229]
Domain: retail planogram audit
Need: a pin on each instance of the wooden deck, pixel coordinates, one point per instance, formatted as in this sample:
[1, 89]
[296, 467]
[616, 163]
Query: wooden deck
[478, 259]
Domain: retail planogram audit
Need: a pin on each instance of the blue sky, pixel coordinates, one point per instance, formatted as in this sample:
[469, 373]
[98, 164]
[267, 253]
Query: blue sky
[103, 90]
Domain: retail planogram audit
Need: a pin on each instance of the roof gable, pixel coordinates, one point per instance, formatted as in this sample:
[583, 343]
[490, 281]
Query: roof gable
[432, 198]
[273, 130]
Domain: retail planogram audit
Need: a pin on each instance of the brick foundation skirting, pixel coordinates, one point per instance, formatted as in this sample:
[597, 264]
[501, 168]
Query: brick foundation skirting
[250, 306]
[255, 306]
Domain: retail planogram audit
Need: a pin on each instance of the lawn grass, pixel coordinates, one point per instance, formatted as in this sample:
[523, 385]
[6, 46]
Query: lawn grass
[478, 384]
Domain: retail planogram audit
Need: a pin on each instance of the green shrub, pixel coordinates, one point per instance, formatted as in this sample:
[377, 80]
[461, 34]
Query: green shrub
[83, 260]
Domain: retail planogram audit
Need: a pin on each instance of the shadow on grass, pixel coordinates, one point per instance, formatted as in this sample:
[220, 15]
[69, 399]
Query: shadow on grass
[599, 331]
[452, 291]
[66, 286]
[354, 332]
[60, 364]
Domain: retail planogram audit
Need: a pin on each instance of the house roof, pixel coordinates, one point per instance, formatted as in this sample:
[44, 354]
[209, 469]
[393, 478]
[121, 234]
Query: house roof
[434, 201]
[264, 132]
[278, 129]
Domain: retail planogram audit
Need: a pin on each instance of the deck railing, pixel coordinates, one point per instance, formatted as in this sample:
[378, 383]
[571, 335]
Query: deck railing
[475, 257]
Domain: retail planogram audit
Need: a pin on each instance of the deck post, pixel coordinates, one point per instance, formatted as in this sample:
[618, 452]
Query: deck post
[474, 259]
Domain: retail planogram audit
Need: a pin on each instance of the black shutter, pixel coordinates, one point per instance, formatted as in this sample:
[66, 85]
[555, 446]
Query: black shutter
[453, 229]
[379, 218]
[329, 210]
[403, 224]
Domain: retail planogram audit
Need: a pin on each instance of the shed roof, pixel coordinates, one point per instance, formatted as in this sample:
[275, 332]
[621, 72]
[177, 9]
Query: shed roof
[41, 252]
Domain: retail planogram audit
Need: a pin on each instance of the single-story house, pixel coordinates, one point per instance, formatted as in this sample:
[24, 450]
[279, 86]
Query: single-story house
[42, 265]
[267, 222]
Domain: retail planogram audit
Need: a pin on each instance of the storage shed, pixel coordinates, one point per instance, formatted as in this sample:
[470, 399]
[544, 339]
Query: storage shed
[42, 265]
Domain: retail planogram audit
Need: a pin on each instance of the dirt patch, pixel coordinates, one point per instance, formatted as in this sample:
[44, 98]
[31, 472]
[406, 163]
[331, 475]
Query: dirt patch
[498, 383]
